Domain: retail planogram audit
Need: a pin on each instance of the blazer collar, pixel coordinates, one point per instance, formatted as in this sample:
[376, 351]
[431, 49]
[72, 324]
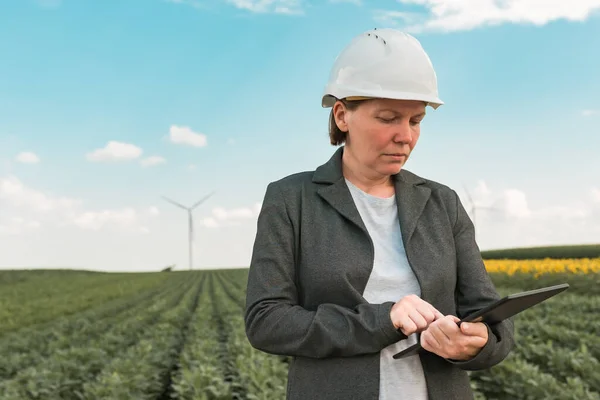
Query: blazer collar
[411, 194]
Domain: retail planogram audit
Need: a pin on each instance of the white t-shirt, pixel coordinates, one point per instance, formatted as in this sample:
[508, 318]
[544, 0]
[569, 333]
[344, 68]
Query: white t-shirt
[391, 279]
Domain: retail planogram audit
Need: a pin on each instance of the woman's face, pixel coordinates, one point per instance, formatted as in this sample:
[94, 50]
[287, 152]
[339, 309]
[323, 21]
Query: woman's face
[381, 132]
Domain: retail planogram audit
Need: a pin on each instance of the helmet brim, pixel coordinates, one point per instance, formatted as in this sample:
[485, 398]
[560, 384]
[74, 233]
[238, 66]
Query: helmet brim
[329, 100]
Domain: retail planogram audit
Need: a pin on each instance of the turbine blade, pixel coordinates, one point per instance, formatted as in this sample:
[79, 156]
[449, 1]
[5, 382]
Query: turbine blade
[174, 202]
[201, 200]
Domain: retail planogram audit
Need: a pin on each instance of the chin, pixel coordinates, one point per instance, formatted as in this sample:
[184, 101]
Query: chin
[392, 169]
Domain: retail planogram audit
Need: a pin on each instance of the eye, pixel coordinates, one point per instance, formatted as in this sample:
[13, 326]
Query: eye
[387, 120]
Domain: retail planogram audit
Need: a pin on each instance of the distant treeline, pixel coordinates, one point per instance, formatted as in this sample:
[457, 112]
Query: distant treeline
[572, 251]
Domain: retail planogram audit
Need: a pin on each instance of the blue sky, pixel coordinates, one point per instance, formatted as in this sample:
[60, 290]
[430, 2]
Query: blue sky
[106, 106]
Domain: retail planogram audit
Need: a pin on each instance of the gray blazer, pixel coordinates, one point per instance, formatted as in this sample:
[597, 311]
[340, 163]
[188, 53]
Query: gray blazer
[311, 260]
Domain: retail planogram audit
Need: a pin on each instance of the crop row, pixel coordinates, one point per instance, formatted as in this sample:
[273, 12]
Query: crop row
[184, 338]
[144, 370]
[199, 373]
[33, 302]
[28, 346]
[68, 367]
[264, 376]
[217, 362]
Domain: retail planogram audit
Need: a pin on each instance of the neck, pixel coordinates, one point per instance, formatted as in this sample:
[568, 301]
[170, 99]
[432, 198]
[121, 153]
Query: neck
[361, 176]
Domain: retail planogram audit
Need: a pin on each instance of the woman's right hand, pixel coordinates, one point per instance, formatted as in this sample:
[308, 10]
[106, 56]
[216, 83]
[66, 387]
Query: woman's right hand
[412, 314]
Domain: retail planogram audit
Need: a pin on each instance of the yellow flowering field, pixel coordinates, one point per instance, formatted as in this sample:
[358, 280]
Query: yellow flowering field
[544, 266]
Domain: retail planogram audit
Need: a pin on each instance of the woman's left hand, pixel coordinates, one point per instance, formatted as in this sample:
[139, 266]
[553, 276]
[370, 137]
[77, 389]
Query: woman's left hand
[446, 339]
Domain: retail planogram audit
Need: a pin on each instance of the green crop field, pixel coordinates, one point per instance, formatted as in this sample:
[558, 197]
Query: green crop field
[180, 335]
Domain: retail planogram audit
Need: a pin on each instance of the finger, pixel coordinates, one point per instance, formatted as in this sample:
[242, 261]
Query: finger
[448, 327]
[476, 342]
[439, 342]
[474, 329]
[418, 319]
[442, 340]
[428, 342]
[427, 312]
[471, 345]
[438, 315]
[407, 324]
[451, 322]
[430, 309]
[425, 343]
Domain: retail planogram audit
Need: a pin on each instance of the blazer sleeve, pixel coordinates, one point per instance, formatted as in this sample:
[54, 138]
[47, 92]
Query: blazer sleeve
[476, 290]
[275, 322]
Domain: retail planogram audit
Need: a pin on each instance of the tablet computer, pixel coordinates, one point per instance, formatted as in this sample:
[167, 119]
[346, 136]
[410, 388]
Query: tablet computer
[500, 310]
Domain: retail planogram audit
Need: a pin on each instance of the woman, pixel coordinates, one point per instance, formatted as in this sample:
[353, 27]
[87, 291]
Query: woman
[360, 258]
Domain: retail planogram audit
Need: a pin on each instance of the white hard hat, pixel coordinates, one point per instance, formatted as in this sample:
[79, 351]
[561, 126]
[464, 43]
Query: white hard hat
[383, 63]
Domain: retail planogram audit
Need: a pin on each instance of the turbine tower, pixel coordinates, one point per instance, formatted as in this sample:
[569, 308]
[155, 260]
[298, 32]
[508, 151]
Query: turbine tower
[190, 220]
[473, 209]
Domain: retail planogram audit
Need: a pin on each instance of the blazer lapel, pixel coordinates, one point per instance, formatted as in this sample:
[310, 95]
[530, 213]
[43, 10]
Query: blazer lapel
[411, 197]
[336, 192]
[340, 198]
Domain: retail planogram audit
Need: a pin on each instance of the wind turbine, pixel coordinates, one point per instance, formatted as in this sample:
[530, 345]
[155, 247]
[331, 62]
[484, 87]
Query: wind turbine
[474, 207]
[190, 219]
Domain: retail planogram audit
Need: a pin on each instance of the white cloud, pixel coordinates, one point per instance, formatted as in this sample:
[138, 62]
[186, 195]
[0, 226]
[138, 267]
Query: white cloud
[228, 217]
[14, 193]
[153, 160]
[517, 221]
[516, 204]
[27, 157]
[289, 7]
[210, 222]
[184, 135]
[96, 220]
[115, 151]
[23, 208]
[18, 226]
[392, 17]
[589, 113]
[595, 195]
[482, 189]
[224, 214]
[458, 15]
[513, 205]
[565, 212]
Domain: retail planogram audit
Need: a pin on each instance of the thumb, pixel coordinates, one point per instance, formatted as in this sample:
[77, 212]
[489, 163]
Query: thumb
[465, 327]
[472, 329]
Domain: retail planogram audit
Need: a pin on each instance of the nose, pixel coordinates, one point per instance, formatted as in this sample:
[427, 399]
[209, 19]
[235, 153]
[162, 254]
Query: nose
[403, 131]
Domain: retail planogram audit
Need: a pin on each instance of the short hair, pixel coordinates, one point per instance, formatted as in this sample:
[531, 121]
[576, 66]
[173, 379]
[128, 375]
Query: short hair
[336, 135]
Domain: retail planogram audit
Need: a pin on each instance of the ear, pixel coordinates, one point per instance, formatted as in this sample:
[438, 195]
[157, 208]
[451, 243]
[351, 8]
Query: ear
[340, 115]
